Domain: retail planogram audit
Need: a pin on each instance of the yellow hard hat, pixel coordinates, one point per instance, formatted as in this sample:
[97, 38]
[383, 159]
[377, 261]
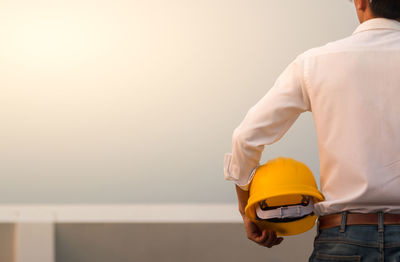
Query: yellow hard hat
[282, 196]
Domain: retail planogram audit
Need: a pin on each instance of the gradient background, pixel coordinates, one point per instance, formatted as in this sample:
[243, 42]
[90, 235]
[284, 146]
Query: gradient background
[135, 101]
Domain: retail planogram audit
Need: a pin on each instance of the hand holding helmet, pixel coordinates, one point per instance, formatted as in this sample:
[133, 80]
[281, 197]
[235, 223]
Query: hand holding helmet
[282, 196]
[263, 237]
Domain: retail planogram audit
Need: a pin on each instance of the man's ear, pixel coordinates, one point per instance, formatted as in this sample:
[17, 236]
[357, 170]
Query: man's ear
[361, 4]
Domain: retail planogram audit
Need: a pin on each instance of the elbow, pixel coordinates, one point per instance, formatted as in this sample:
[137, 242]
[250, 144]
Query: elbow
[245, 138]
[238, 136]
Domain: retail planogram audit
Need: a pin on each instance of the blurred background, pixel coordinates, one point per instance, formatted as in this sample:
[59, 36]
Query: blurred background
[135, 102]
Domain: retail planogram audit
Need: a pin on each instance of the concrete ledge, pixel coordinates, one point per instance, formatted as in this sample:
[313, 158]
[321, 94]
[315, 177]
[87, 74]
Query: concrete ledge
[33, 236]
[175, 232]
[171, 242]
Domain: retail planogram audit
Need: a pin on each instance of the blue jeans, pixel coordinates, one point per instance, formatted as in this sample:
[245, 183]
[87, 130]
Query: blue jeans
[365, 243]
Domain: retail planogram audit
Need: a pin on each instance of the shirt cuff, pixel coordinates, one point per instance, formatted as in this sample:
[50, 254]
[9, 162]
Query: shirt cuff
[232, 173]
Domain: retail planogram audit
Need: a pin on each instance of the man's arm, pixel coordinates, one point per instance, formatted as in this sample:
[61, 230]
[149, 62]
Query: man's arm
[265, 123]
[243, 196]
[264, 237]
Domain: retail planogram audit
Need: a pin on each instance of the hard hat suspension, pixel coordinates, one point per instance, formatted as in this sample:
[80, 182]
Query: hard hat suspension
[285, 213]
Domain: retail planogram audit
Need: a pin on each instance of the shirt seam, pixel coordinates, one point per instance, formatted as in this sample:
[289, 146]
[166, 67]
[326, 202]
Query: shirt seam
[301, 77]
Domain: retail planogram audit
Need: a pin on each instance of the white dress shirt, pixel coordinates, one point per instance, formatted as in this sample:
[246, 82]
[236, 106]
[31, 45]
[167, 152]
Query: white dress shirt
[352, 88]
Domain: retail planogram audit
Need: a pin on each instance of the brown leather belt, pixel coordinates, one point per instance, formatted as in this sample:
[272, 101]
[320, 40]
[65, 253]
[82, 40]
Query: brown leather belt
[335, 220]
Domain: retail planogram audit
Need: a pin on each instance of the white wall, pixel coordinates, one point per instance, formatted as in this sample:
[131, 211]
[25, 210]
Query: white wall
[136, 100]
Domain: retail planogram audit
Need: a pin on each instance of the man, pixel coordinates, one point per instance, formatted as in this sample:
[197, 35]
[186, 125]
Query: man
[352, 88]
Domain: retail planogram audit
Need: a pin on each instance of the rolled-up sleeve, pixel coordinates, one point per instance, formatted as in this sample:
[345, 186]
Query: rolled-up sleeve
[266, 122]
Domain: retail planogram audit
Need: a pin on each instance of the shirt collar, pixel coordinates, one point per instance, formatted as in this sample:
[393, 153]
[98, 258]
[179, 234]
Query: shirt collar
[378, 23]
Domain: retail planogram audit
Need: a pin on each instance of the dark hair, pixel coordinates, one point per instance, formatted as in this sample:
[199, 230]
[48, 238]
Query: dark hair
[386, 8]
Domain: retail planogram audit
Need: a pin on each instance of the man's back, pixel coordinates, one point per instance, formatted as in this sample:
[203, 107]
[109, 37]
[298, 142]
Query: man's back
[353, 88]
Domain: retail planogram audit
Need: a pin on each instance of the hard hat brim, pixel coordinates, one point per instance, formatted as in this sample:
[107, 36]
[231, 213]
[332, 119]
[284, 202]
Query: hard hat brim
[289, 228]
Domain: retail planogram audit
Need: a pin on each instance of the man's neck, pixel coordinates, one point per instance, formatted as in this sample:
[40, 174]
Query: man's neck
[369, 17]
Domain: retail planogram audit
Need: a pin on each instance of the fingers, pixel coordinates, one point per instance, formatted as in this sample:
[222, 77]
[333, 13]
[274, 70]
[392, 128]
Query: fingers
[262, 237]
[274, 240]
[267, 238]
[270, 240]
[278, 240]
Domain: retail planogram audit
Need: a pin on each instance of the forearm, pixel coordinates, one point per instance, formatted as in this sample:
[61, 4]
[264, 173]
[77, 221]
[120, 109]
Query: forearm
[243, 196]
[266, 122]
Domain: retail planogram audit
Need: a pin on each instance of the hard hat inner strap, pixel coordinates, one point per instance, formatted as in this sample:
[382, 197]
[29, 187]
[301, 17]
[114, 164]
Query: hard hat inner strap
[286, 212]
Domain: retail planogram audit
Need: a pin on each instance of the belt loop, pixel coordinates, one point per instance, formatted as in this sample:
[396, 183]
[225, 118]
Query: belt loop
[380, 221]
[343, 223]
